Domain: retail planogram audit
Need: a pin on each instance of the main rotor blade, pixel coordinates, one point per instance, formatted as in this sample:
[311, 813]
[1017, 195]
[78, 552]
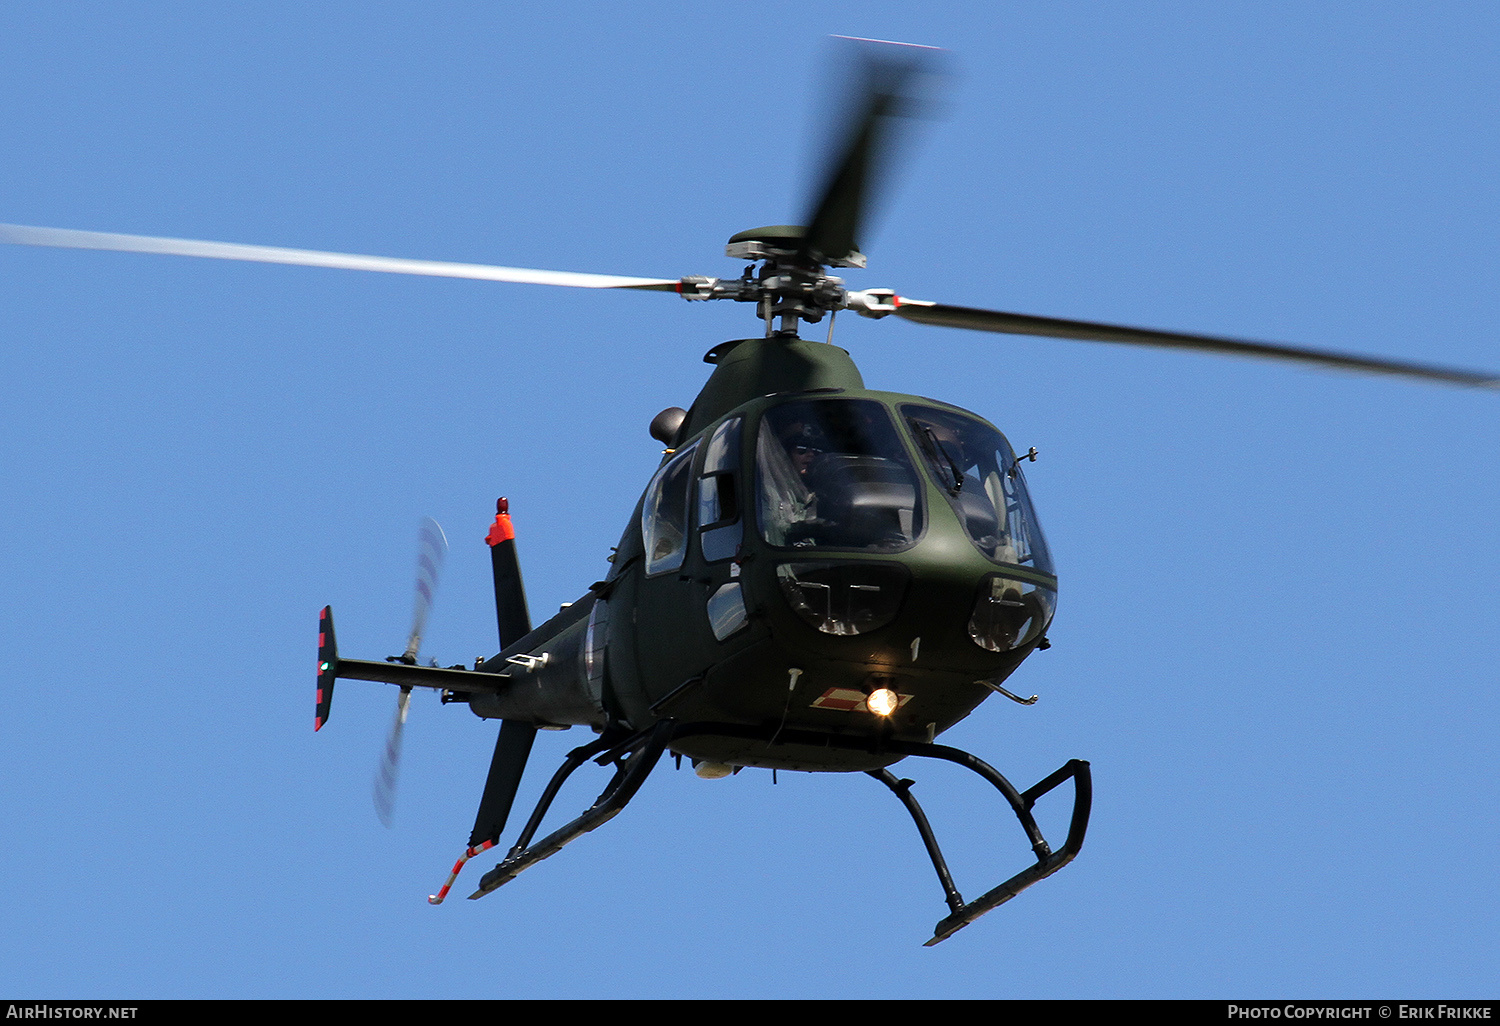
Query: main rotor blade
[1087, 331]
[64, 238]
[886, 89]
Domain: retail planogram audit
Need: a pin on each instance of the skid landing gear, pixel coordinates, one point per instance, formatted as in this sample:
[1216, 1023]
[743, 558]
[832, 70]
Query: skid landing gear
[635, 757]
[1047, 860]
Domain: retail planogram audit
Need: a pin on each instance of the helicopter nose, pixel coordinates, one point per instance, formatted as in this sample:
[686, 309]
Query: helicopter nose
[968, 613]
[844, 598]
[1010, 612]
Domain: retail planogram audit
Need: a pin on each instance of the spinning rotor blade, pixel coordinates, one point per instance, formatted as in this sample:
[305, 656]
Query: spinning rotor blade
[432, 547]
[63, 238]
[390, 762]
[1087, 331]
[888, 76]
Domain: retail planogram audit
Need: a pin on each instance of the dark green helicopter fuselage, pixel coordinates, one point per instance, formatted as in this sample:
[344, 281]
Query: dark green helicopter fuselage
[710, 614]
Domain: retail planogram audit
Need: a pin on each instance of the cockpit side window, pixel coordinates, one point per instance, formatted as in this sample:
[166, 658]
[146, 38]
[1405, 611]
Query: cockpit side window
[718, 505]
[664, 518]
[976, 468]
[834, 474]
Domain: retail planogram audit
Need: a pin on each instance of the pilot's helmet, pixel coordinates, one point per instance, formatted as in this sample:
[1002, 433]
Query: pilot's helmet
[801, 438]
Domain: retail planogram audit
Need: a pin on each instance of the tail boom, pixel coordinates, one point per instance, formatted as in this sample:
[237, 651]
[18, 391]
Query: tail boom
[331, 668]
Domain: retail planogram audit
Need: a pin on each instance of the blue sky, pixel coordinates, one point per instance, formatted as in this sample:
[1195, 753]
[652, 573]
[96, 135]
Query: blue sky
[1277, 631]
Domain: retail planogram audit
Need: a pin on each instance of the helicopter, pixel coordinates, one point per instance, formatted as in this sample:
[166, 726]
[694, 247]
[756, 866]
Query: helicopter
[901, 568]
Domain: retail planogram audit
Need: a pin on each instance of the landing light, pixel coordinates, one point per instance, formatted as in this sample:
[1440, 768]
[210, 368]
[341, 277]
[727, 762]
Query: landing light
[882, 701]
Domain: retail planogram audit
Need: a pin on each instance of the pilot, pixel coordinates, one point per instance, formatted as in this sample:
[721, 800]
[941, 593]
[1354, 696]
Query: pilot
[804, 447]
[790, 454]
[828, 513]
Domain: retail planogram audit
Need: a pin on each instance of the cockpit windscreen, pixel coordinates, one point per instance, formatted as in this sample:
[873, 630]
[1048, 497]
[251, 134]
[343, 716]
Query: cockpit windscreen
[974, 465]
[833, 474]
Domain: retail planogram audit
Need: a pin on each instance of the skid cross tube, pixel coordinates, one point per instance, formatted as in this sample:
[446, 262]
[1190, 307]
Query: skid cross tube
[634, 759]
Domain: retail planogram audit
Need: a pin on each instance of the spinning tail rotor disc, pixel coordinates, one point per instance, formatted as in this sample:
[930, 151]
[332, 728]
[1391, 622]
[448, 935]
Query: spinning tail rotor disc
[432, 548]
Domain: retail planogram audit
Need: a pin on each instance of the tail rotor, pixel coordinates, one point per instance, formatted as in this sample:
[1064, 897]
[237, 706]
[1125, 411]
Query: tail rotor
[432, 548]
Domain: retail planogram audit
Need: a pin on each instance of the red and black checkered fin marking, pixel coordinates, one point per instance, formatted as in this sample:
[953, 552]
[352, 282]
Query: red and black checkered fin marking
[328, 666]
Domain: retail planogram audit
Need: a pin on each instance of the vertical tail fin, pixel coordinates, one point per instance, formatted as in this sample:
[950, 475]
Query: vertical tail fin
[328, 666]
[511, 750]
[511, 614]
[513, 746]
[516, 736]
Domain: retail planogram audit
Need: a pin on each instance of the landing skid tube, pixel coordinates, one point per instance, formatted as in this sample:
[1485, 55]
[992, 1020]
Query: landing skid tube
[1047, 860]
[635, 757]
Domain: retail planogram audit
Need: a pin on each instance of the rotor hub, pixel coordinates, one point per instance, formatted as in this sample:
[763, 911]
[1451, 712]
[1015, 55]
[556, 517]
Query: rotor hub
[786, 282]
